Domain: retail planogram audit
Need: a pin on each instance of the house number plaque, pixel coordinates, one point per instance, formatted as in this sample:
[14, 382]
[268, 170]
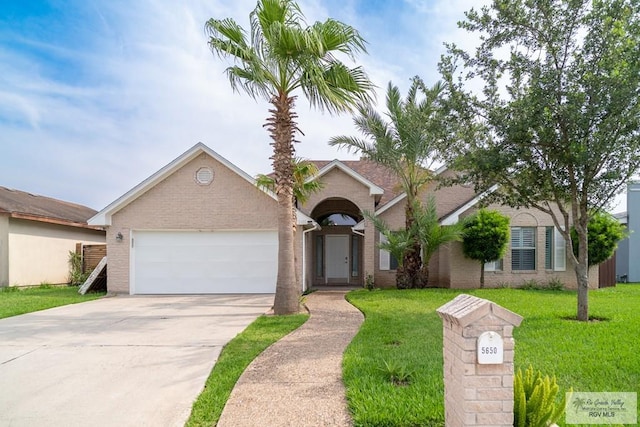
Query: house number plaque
[490, 348]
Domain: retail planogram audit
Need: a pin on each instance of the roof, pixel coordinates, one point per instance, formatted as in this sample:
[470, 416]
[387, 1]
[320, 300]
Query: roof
[372, 172]
[454, 216]
[104, 216]
[374, 190]
[23, 205]
[622, 217]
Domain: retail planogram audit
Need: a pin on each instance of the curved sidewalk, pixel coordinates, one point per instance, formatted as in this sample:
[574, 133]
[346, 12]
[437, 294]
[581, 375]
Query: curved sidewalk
[298, 380]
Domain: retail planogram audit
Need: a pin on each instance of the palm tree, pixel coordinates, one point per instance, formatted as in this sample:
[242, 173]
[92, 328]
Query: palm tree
[405, 142]
[396, 242]
[431, 234]
[304, 184]
[278, 56]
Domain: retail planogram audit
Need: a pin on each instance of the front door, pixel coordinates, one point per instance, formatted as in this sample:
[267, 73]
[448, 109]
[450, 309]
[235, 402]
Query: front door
[337, 256]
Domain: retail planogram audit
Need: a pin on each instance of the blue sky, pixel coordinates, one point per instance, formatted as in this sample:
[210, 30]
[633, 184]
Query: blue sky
[96, 95]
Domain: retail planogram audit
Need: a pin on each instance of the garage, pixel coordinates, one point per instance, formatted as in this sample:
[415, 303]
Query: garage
[203, 262]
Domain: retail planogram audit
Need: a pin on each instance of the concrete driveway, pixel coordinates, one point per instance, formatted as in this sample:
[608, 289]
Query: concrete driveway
[119, 361]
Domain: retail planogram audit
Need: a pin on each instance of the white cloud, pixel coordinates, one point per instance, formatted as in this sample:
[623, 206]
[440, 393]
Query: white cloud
[149, 88]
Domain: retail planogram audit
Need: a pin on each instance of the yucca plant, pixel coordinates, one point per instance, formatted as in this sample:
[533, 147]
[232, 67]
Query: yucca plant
[535, 399]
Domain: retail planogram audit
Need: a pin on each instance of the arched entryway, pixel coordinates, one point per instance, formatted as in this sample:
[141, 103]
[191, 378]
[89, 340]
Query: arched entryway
[337, 248]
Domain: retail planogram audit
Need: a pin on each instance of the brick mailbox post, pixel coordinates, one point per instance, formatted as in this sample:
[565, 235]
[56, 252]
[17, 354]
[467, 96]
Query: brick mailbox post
[478, 362]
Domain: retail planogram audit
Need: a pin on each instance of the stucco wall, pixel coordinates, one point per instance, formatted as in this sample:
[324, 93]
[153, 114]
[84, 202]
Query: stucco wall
[39, 252]
[4, 250]
[179, 203]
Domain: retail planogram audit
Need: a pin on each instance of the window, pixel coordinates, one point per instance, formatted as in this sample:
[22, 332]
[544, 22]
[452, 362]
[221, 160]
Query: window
[555, 250]
[393, 262]
[319, 256]
[355, 256]
[523, 248]
[387, 261]
[497, 265]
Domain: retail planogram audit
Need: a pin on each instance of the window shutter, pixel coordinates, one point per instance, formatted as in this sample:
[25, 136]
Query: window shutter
[560, 253]
[548, 248]
[385, 257]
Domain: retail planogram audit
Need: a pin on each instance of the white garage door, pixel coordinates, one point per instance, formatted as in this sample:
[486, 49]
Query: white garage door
[192, 262]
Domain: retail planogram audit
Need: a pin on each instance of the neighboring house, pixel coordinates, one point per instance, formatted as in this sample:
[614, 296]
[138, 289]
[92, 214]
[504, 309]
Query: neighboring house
[36, 235]
[629, 248]
[201, 225]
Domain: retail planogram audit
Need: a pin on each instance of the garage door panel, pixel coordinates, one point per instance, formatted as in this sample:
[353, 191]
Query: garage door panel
[204, 262]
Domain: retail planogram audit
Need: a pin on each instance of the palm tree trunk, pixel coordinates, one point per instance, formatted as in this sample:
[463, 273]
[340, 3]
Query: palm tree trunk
[282, 127]
[409, 276]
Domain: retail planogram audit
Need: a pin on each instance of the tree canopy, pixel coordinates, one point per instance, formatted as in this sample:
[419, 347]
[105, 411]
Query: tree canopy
[604, 232]
[556, 124]
[485, 237]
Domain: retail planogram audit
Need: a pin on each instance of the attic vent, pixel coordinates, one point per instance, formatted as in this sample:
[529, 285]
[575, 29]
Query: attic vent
[204, 176]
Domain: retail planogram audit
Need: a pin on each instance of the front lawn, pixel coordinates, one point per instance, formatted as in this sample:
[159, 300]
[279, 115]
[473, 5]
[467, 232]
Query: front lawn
[14, 301]
[402, 334]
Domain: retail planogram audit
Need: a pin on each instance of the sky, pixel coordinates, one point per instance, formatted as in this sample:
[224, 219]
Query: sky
[97, 95]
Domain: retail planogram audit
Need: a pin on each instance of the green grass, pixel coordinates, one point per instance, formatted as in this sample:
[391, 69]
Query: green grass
[234, 359]
[402, 326]
[15, 301]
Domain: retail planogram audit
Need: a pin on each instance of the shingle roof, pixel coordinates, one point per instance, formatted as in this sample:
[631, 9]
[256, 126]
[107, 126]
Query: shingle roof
[20, 204]
[374, 172]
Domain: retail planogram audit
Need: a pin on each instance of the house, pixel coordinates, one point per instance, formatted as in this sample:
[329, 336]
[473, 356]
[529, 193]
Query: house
[629, 248]
[36, 235]
[201, 225]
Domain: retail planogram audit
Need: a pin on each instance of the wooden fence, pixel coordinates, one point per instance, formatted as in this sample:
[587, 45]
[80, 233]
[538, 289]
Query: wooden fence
[91, 255]
[607, 272]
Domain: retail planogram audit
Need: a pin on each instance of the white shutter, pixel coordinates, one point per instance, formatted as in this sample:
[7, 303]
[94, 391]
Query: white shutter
[385, 257]
[560, 251]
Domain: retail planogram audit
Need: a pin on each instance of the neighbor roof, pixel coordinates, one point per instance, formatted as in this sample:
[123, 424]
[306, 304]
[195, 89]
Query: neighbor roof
[23, 205]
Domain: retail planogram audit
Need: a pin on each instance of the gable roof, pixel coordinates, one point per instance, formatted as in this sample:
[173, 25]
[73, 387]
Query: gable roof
[367, 171]
[374, 190]
[104, 216]
[454, 216]
[23, 205]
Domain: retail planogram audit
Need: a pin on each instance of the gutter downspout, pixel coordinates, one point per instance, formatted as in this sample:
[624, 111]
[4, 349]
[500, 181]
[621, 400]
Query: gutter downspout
[315, 226]
[359, 233]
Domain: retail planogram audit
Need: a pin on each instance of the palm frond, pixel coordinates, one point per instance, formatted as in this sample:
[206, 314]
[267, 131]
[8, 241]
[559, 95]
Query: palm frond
[335, 88]
[431, 234]
[285, 54]
[396, 242]
[351, 143]
[334, 36]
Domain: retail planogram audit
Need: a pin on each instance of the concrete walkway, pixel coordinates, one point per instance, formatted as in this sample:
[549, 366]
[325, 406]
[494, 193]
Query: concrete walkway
[298, 380]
